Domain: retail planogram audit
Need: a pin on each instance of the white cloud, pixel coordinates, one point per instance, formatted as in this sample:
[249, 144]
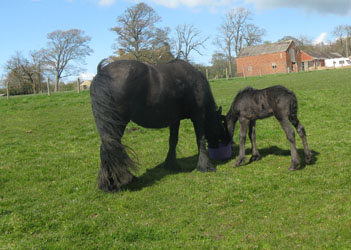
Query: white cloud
[320, 39]
[105, 3]
[86, 76]
[338, 7]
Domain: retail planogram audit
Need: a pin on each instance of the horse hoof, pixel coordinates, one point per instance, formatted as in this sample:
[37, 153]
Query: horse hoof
[240, 162]
[208, 168]
[308, 159]
[294, 168]
[255, 158]
[109, 189]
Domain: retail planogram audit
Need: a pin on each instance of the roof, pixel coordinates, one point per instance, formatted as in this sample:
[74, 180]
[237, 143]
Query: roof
[323, 55]
[263, 49]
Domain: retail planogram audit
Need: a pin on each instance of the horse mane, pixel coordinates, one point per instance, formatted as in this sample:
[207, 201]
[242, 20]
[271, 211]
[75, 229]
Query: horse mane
[244, 91]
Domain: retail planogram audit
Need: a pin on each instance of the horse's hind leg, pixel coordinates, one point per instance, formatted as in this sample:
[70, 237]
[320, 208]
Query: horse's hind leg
[302, 133]
[115, 162]
[244, 123]
[170, 162]
[290, 135]
[252, 135]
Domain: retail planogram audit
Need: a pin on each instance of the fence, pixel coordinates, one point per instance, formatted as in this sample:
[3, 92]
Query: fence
[43, 87]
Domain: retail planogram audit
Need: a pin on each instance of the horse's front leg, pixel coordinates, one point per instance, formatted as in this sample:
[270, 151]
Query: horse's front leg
[244, 123]
[252, 135]
[203, 164]
[170, 162]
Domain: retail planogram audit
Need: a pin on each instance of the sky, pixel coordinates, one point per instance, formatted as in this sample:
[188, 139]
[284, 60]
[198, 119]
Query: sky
[24, 24]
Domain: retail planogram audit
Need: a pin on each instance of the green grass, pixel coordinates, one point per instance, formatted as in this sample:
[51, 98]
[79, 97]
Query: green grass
[49, 160]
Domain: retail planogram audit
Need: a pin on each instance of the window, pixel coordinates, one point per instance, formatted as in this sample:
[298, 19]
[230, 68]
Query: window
[341, 62]
[274, 66]
[249, 68]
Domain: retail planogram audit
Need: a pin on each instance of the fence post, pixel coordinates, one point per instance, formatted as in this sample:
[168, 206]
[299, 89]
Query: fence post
[48, 85]
[207, 74]
[7, 90]
[78, 85]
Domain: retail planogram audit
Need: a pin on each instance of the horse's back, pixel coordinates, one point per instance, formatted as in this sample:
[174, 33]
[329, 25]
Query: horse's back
[151, 95]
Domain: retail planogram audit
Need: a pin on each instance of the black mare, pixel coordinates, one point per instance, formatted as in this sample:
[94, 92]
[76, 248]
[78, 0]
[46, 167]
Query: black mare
[252, 104]
[153, 96]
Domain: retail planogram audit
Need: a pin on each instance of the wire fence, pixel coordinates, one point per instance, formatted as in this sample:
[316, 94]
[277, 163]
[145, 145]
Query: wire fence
[42, 88]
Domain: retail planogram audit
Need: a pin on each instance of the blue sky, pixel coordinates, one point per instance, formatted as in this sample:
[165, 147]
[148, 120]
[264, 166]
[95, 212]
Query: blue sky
[24, 24]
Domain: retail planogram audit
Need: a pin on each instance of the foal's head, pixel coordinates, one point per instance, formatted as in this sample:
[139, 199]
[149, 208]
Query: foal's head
[216, 129]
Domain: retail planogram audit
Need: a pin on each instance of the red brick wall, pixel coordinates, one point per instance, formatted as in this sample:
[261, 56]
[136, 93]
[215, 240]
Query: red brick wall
[262, 64]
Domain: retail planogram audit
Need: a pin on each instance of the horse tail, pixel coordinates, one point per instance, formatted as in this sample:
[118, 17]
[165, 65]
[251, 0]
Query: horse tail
[116, 165]
[293, 110]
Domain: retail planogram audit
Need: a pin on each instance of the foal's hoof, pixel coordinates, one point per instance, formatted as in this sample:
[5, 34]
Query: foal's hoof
[240, 161]
[255, 158]
[294, 167]
[308, 159]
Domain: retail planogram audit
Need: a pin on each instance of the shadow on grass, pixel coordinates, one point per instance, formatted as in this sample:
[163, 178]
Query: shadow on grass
[188, 164]
[153, 175]
[274, 150]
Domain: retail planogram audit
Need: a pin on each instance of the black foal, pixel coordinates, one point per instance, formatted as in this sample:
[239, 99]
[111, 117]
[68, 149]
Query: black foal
[252, 104]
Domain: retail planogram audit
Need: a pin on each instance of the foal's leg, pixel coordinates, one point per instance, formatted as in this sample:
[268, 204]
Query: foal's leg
[203, 163]
[302, 133]
[244, 123]
[252, 135]
[170, 162]
[290, 135]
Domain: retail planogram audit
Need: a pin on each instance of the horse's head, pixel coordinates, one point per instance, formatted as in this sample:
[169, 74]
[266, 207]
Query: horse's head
[217, 130]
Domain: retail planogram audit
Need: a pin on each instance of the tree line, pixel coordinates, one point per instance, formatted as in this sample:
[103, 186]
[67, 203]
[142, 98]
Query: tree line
[65, 51]
[140, 38]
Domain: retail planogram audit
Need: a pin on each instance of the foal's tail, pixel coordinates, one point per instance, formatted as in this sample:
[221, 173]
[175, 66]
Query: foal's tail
[293, 110]
[116, 165]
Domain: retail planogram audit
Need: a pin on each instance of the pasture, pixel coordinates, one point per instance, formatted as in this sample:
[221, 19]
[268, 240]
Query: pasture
[49, 161]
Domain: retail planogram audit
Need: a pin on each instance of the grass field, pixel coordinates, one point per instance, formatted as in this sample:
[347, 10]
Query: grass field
[49, 160]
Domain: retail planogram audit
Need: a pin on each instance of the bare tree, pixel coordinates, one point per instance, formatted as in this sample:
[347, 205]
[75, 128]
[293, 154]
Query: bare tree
[238, 18]
[347, 29]
[64, 48]
[339, 33]
[253, 35]
[219, 63]
[22, 73]
[236, 32]
[137, 34]
[225, 41]
[188, 39]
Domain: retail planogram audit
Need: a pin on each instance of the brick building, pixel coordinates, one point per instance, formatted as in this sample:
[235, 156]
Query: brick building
[271, 58]
[312, 60]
